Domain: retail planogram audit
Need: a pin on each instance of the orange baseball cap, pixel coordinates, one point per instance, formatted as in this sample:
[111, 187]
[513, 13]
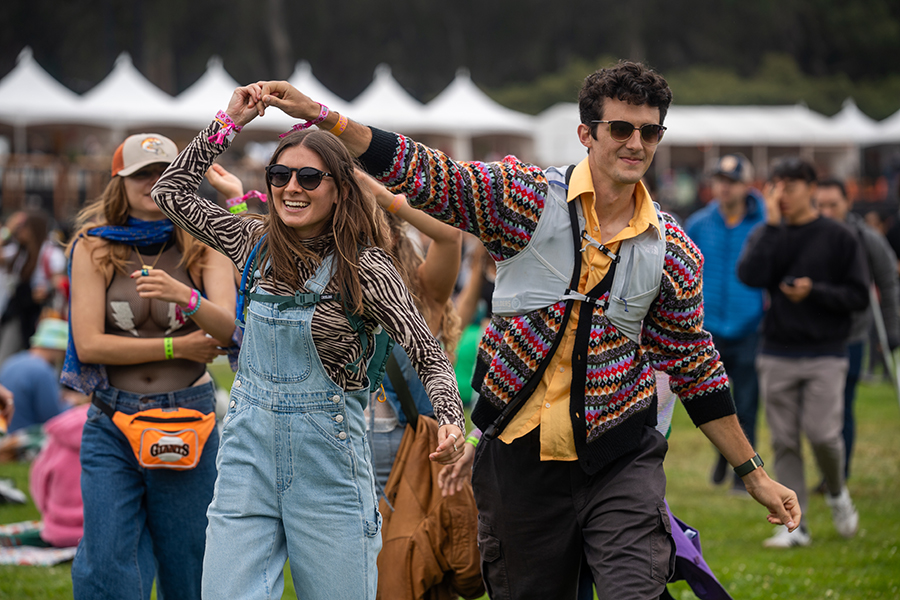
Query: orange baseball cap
[140, 150]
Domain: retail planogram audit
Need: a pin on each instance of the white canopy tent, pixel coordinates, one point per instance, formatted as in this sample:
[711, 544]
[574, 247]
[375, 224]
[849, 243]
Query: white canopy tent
[385, 104]
[706, 127]
[463, 111]
[30, 96]
[196, 106]
[303, 79]
[889, 130]
[856, 124]
[126, 99]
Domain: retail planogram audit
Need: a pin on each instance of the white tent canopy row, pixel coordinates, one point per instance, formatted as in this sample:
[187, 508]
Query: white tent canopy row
[125, 99]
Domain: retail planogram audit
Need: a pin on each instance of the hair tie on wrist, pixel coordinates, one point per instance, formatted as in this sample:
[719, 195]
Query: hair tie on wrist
[323, 114]
[227, 125]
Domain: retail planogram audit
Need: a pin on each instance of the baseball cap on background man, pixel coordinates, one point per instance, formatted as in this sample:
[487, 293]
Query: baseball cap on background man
[735, 167]
[140, 150]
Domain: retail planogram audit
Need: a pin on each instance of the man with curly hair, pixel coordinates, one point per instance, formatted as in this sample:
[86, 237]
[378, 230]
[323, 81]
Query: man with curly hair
[595, 290]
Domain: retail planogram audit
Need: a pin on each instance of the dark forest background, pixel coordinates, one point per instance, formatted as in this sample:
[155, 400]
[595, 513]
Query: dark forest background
[528, 54]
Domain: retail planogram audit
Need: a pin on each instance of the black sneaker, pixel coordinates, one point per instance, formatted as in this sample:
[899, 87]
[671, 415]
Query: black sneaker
[720, 470]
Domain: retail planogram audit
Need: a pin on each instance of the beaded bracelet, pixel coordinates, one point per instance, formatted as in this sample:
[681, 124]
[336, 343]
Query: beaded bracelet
[193, 304]
[323, 114]
[340, 126]
[169, 347]
[226, 127]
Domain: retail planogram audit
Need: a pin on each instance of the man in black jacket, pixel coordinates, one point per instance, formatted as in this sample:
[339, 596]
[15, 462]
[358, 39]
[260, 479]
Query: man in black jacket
[815, 272]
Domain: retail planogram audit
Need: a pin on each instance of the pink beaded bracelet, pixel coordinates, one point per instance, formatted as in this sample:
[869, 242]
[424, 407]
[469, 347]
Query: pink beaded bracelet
[227, 126]
[323, 114]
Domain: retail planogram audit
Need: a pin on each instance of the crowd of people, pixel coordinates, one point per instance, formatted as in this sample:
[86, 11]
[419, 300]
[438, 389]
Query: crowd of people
[344, 308]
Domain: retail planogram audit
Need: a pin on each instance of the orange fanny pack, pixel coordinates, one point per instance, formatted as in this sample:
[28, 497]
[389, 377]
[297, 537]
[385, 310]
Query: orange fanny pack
[164, 438]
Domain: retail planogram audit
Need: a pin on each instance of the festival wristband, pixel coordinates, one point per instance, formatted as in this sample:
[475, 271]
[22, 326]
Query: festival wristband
[323, 114]
[238, 205]
[395, 204]
[228, 128]
[473, 440]
[169, 347]
[340, 126]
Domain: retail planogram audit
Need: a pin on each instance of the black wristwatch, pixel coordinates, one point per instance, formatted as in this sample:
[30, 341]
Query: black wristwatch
[751, 465]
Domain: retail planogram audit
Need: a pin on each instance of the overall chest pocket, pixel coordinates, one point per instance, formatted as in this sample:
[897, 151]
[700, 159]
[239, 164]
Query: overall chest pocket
[278, 348]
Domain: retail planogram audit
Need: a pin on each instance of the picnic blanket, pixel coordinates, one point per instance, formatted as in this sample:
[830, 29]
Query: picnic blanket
[13, 552]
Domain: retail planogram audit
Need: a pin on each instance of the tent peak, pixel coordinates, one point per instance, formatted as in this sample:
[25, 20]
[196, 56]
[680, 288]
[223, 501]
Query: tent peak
[463, 73]
[215, 62]
[25, 55]
[124, 59]
[383, 70]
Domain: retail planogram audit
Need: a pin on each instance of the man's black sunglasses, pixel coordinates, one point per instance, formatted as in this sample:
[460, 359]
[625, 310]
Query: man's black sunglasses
[620, 131]
[309, 178]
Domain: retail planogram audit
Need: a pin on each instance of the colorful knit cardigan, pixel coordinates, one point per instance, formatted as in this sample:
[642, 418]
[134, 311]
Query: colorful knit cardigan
[500, 203]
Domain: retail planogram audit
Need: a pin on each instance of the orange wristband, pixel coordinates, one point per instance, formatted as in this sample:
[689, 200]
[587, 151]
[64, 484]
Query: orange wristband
[395, 204]
[340, 126]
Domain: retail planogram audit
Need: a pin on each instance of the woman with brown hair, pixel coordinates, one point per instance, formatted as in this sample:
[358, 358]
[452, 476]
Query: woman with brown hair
[295, 477]
[150, 306]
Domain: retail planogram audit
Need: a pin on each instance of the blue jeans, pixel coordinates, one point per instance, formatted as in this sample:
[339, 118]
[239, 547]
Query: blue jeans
[295, 476]
[141, 523]
[739, 358]
[855, 356]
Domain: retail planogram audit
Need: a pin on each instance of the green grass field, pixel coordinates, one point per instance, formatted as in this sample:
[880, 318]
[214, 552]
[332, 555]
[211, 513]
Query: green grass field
[732, 528]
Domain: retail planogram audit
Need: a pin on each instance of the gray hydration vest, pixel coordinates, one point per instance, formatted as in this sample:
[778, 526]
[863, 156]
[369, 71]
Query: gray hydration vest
[539, 276]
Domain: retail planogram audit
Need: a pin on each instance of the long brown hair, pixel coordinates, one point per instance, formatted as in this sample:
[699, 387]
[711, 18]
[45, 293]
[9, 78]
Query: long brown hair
[408, 259]
[353, 221]
[111, 208]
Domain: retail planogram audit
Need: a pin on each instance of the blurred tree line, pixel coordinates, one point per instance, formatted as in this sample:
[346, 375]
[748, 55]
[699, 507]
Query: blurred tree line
[528, 54]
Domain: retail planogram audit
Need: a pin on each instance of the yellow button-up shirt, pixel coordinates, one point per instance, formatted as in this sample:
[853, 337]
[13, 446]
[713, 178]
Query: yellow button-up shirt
[548, 406]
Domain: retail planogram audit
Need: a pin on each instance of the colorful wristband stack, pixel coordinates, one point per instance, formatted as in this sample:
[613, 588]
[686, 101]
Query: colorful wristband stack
[193, 304]
[226, 127]
[323, 114]
[239, 205]
[169, 348]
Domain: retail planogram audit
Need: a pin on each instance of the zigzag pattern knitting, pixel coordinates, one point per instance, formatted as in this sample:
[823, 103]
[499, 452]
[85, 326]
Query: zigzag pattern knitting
[501, 203]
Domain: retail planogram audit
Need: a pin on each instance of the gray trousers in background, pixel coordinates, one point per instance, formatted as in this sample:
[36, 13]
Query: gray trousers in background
[805, 395]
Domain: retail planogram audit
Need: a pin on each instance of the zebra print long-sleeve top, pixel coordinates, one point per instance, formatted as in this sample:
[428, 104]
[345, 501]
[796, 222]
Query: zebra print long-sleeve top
[386, 300]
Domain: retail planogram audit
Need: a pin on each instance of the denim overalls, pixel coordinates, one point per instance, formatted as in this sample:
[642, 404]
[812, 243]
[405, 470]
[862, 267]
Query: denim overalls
[295, 477]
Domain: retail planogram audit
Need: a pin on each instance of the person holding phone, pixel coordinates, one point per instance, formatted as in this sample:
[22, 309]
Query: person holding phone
[815, 273]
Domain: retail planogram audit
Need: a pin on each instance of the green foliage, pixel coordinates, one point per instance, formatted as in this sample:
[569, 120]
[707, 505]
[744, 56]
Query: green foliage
[778, 81]
[731, 528]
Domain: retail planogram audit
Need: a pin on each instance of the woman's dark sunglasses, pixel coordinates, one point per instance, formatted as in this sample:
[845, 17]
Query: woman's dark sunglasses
[620, 131]
[309, 178]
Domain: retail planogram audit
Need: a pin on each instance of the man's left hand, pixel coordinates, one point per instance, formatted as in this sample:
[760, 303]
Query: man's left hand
[784, 508]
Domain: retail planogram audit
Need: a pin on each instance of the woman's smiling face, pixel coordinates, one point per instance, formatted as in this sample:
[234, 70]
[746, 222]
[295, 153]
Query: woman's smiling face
[305, 211]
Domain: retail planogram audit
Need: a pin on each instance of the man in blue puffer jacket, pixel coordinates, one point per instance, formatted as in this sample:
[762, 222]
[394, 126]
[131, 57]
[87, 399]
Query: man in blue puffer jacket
[732, 310]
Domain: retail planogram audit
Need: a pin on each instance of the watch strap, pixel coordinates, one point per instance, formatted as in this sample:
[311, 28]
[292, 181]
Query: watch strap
[751, 465]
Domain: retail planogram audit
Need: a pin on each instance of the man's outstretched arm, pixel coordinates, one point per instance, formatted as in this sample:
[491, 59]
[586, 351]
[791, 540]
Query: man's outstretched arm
[726, 434]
